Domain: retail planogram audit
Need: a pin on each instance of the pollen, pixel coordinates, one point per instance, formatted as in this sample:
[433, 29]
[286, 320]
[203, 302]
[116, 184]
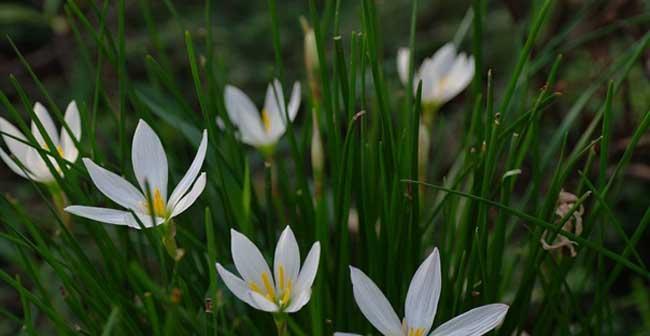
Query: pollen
[266, 121]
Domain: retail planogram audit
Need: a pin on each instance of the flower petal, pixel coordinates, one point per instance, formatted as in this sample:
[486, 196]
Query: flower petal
[37, 167]
[191, 174]
[423, 294]
[294, 101]
[236, 285]
[244, 114]
[298, 301]
[443, 60]
[10, 134]
[263, 303]
[114, 187]
[48, 124]
[13, 165]
[309, 269]
[403, 61]
[475, 322]
[149, 160]
[433, 70]
[104, 215]
[24, 153]
[191, 196]
[248, 259]
[460, 75]
[72, 119]
[287, 256]
[142, 220]
[274, 107]
[373, 304]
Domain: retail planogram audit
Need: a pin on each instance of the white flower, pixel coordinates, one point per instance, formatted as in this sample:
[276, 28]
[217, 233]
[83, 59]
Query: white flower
[150, 167]
[29, 158]
[443, 76]
[287, 290]
[420, 308]
[262, 129]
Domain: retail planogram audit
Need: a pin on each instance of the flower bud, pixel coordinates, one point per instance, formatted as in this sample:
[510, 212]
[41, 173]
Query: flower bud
[317, 155]
[312, 63]
[311, 51]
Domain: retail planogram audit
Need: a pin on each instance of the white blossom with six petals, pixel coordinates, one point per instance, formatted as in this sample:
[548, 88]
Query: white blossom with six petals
[444, 75]
[29, 158]
[287, 290]
[262, 130]
[150, 168]
[420, 307]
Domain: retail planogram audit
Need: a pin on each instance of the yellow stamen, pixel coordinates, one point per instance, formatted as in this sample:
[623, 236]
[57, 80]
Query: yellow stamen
[253, 286]
[281, 276]
[158, 203]
[266, 121]
[59, 149]
[159, 207]
[286, 294]
[268, 286]
[416, 332]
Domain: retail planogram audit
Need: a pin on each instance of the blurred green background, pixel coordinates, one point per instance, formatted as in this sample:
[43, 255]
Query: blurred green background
[243, 48]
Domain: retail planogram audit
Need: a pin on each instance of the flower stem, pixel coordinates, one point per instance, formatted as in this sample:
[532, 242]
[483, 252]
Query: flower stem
[281, 324]
[60, 202]
[429, 112]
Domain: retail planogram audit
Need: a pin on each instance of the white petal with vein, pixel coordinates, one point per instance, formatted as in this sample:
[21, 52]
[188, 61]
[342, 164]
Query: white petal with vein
[475, 322]
[287, 255]
[245, 115]
[149, 159]
[104, 215]
[190, 176]
[114, 187]
[236, 285]
[423, 294]
[309, 269]
[191, 196]
[72, 119]
[248, 259]
[373, 304]
[47, 123]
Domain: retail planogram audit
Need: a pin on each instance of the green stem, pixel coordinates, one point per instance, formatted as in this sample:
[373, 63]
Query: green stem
[429, 112]
[281, 324]
[60, 202]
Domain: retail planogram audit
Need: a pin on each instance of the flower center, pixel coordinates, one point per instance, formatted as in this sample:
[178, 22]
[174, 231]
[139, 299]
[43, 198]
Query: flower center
[158, 206]
[416, 332]
[268, 291]
[266, 121]
[282, 295]
[442, 83]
